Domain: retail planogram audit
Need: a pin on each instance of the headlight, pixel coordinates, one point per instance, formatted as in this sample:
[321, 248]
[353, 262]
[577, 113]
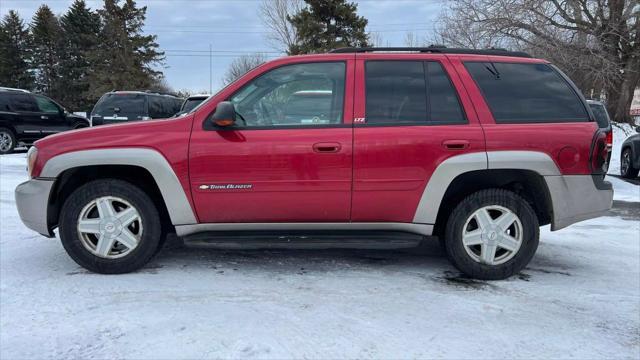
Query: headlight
[32, 155]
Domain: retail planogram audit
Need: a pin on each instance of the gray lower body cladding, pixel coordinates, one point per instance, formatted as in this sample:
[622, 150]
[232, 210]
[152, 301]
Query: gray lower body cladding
[578, 197]
[32, 199]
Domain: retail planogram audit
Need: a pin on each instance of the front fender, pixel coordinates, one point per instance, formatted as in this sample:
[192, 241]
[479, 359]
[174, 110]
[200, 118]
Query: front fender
[178, 205]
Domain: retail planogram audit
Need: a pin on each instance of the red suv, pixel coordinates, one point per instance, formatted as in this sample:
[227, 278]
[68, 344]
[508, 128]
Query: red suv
[374, 147]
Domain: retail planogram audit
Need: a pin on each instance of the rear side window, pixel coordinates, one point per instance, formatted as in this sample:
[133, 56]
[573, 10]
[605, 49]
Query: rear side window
[526, 93]
[396, 92]
[23, 102]
[410, 92]
[444, 106]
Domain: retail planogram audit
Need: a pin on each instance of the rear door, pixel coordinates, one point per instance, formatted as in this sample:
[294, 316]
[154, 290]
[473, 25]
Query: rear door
[277, 164]
[410, 116]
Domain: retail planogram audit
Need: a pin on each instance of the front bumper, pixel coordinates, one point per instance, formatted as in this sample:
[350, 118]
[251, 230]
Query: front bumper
[32, 199]
[578, 197]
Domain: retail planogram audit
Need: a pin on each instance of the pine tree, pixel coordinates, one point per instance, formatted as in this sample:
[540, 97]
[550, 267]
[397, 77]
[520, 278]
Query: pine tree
[328, 24]
[81, 28]
[124, 57]
[47, 36]
[15, 53]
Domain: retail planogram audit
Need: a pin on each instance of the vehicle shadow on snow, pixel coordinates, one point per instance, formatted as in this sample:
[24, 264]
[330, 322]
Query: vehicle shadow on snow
[427, 261]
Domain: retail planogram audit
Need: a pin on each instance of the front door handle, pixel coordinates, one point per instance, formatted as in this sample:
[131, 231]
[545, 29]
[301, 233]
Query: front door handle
[455, 144]
[43, 117]
[327, 147]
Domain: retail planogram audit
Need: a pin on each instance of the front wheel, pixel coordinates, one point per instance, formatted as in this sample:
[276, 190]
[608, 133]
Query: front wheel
[110, 226]
[492, 234]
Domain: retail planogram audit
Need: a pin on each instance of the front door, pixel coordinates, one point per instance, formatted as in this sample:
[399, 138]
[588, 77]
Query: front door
[51, 116]
[288, 158]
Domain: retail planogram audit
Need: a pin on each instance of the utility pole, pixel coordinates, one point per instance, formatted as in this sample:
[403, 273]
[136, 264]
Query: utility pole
[210, 69]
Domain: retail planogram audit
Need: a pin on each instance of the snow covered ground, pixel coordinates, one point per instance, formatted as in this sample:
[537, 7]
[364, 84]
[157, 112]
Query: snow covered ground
[579, 298]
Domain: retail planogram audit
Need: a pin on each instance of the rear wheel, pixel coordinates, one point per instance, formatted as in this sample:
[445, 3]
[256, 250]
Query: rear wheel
[7, 141]
[110, 227]
[492, 234]
[626, 165]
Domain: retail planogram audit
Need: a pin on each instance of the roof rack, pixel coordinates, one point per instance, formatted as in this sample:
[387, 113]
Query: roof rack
[437, 49]
[2, 88]
[146, 92]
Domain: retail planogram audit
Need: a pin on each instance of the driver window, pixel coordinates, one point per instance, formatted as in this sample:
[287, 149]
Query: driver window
[294, 95]
[46, 106]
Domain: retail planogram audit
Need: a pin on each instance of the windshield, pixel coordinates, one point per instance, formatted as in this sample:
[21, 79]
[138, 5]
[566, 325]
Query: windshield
[131, 106]
[191, 104]
[600, 112]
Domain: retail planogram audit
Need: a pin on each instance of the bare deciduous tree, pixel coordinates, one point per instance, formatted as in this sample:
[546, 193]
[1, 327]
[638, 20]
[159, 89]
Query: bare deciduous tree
[275, 14]
[376, 40]
[597, 42]
[242, 65]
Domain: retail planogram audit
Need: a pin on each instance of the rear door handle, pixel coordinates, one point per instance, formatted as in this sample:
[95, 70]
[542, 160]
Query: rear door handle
[455, 144]
[327, 147]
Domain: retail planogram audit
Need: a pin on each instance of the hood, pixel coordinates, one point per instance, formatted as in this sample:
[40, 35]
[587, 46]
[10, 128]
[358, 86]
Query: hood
[163, 135]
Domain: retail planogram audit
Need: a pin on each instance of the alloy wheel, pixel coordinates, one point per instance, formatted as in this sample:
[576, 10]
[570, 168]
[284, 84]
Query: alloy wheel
[625, 162]
[110, 227]
[492, 235]
[6, 141]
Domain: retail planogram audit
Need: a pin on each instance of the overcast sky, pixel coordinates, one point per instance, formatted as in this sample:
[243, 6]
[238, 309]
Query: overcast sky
[185, 28]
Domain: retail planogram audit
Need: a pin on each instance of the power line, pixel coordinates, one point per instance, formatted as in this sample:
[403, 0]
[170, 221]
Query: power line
[266, 32]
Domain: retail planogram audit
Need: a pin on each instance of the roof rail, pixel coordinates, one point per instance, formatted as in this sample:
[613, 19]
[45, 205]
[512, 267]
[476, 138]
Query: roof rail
[2, 88]
[437, 49]
[147, 92]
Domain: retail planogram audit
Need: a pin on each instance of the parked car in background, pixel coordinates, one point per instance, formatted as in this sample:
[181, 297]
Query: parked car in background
[630, 156]
[604, 122]
[191, 103]
[357, 148]
[121, 106]
[26, 117]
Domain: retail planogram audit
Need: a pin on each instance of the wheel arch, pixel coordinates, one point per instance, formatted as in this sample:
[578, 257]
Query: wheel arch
[520, 171]
[7, 125]
[634, 147]
[526, 183]
[144, 167]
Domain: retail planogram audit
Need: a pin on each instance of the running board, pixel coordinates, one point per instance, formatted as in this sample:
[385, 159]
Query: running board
[235, 240]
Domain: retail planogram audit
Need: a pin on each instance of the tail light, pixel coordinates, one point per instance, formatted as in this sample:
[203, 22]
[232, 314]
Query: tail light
[599, 153]
[610, 139]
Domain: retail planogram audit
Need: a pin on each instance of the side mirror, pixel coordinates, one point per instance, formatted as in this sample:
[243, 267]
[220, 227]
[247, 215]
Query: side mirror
[225, 114]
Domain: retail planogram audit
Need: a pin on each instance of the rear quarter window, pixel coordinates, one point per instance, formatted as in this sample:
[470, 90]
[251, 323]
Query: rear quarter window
[527, 93]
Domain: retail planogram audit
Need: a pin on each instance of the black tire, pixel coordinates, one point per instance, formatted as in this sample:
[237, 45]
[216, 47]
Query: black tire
[139, 256]
[7, 135]
[453, 236]
[626, 169]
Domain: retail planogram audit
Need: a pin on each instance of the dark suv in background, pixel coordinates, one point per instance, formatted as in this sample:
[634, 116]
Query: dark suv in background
[119, 106]
[191, 103]
[26, 117]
